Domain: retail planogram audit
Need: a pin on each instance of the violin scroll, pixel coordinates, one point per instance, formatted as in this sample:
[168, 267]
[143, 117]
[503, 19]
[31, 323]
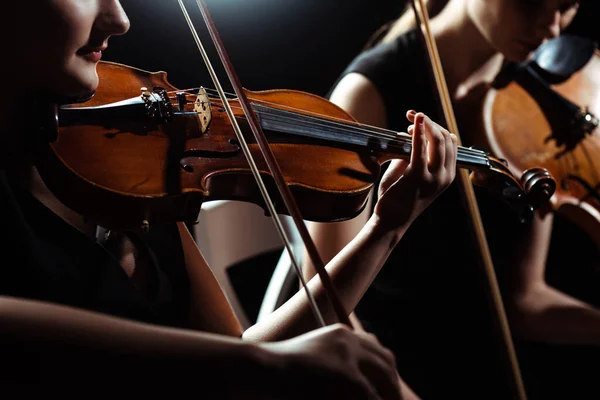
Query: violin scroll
[539, 185]
[532, 191]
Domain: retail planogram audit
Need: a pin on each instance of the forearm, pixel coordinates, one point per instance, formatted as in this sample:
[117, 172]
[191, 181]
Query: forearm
[548, 315]
[406, 391]
[352, 271]
[59, 341]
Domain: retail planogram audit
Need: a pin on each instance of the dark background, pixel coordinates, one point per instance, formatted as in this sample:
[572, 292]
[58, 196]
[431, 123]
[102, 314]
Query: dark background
[273, 44]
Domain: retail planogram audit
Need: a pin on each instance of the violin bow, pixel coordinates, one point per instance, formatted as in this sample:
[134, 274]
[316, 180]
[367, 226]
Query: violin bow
[273, 166]
[468, 193]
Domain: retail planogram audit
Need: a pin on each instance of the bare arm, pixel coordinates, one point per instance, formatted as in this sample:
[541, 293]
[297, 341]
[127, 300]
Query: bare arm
[406, 189]
[205, 284]
[541, 312]
[355, 250]
[549, 315]
[58, 346]
[56, 341]
[352, 270]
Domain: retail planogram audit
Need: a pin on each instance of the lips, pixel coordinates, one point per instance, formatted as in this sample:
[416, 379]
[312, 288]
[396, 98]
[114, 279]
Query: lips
[91, 49]
[91, 53]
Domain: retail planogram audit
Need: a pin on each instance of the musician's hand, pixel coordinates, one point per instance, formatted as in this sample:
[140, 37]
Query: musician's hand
[335, 363]
[408, 188]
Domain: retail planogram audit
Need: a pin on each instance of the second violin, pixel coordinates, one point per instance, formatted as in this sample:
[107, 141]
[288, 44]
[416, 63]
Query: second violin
[546, 115]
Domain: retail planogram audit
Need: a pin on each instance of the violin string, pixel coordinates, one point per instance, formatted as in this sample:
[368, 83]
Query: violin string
[395, 145]
[396, 141]
[369, 130]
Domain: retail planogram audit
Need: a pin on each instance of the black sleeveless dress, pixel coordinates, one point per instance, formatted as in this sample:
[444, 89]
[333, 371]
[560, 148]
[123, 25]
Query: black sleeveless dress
[45, 258]
[429, 303]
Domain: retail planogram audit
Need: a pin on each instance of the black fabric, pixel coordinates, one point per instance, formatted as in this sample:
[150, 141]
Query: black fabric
[45, 258]
[429, 302]
[387, 66]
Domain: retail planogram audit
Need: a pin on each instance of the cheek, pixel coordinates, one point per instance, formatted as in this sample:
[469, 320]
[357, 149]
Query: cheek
[71, 31]
[507, 37]
[502, 25]
[45, 53]
[44, 49]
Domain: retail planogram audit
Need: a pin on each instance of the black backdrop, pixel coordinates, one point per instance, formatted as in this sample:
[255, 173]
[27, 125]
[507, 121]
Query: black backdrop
[273, 44]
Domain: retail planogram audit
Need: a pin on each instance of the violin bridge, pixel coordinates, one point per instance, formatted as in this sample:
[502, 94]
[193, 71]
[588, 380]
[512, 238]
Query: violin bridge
[203, 110]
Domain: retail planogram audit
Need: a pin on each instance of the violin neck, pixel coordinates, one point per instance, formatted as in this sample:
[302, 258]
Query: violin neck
[384, 143]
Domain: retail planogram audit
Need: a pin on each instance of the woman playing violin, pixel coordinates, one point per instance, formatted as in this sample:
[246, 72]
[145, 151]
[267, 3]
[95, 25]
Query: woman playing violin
[124, 307]
[424, 303]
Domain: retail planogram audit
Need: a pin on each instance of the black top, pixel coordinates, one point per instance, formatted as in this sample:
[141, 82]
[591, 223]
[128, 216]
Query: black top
[429, 302]
[46, 258]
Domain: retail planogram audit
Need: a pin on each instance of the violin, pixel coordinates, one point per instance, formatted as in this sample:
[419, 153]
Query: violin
[544, 113]
[141, 152]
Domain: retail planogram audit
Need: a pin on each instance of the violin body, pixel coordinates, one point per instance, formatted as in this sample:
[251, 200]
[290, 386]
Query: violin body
[133, 172]
[529, 130]
[140, 152]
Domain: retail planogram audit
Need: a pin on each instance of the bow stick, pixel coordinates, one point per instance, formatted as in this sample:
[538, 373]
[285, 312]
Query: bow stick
[274, 169]
[469, 199]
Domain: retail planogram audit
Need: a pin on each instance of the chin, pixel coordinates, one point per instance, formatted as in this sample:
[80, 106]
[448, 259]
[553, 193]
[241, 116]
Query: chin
[78, 91]
[79, 81]
[88, 87]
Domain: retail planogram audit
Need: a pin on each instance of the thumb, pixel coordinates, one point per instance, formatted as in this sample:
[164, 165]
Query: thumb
[393, 173]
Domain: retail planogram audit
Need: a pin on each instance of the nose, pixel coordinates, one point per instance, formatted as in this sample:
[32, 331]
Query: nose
[113, 19]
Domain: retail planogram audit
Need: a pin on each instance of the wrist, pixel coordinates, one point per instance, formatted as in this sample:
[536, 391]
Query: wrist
[383, 230]
[269, 371]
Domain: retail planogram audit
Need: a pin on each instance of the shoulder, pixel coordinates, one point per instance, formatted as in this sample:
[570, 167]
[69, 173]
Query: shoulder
[384, 79]
[359, 96]
[366, 86]
[383, 61]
